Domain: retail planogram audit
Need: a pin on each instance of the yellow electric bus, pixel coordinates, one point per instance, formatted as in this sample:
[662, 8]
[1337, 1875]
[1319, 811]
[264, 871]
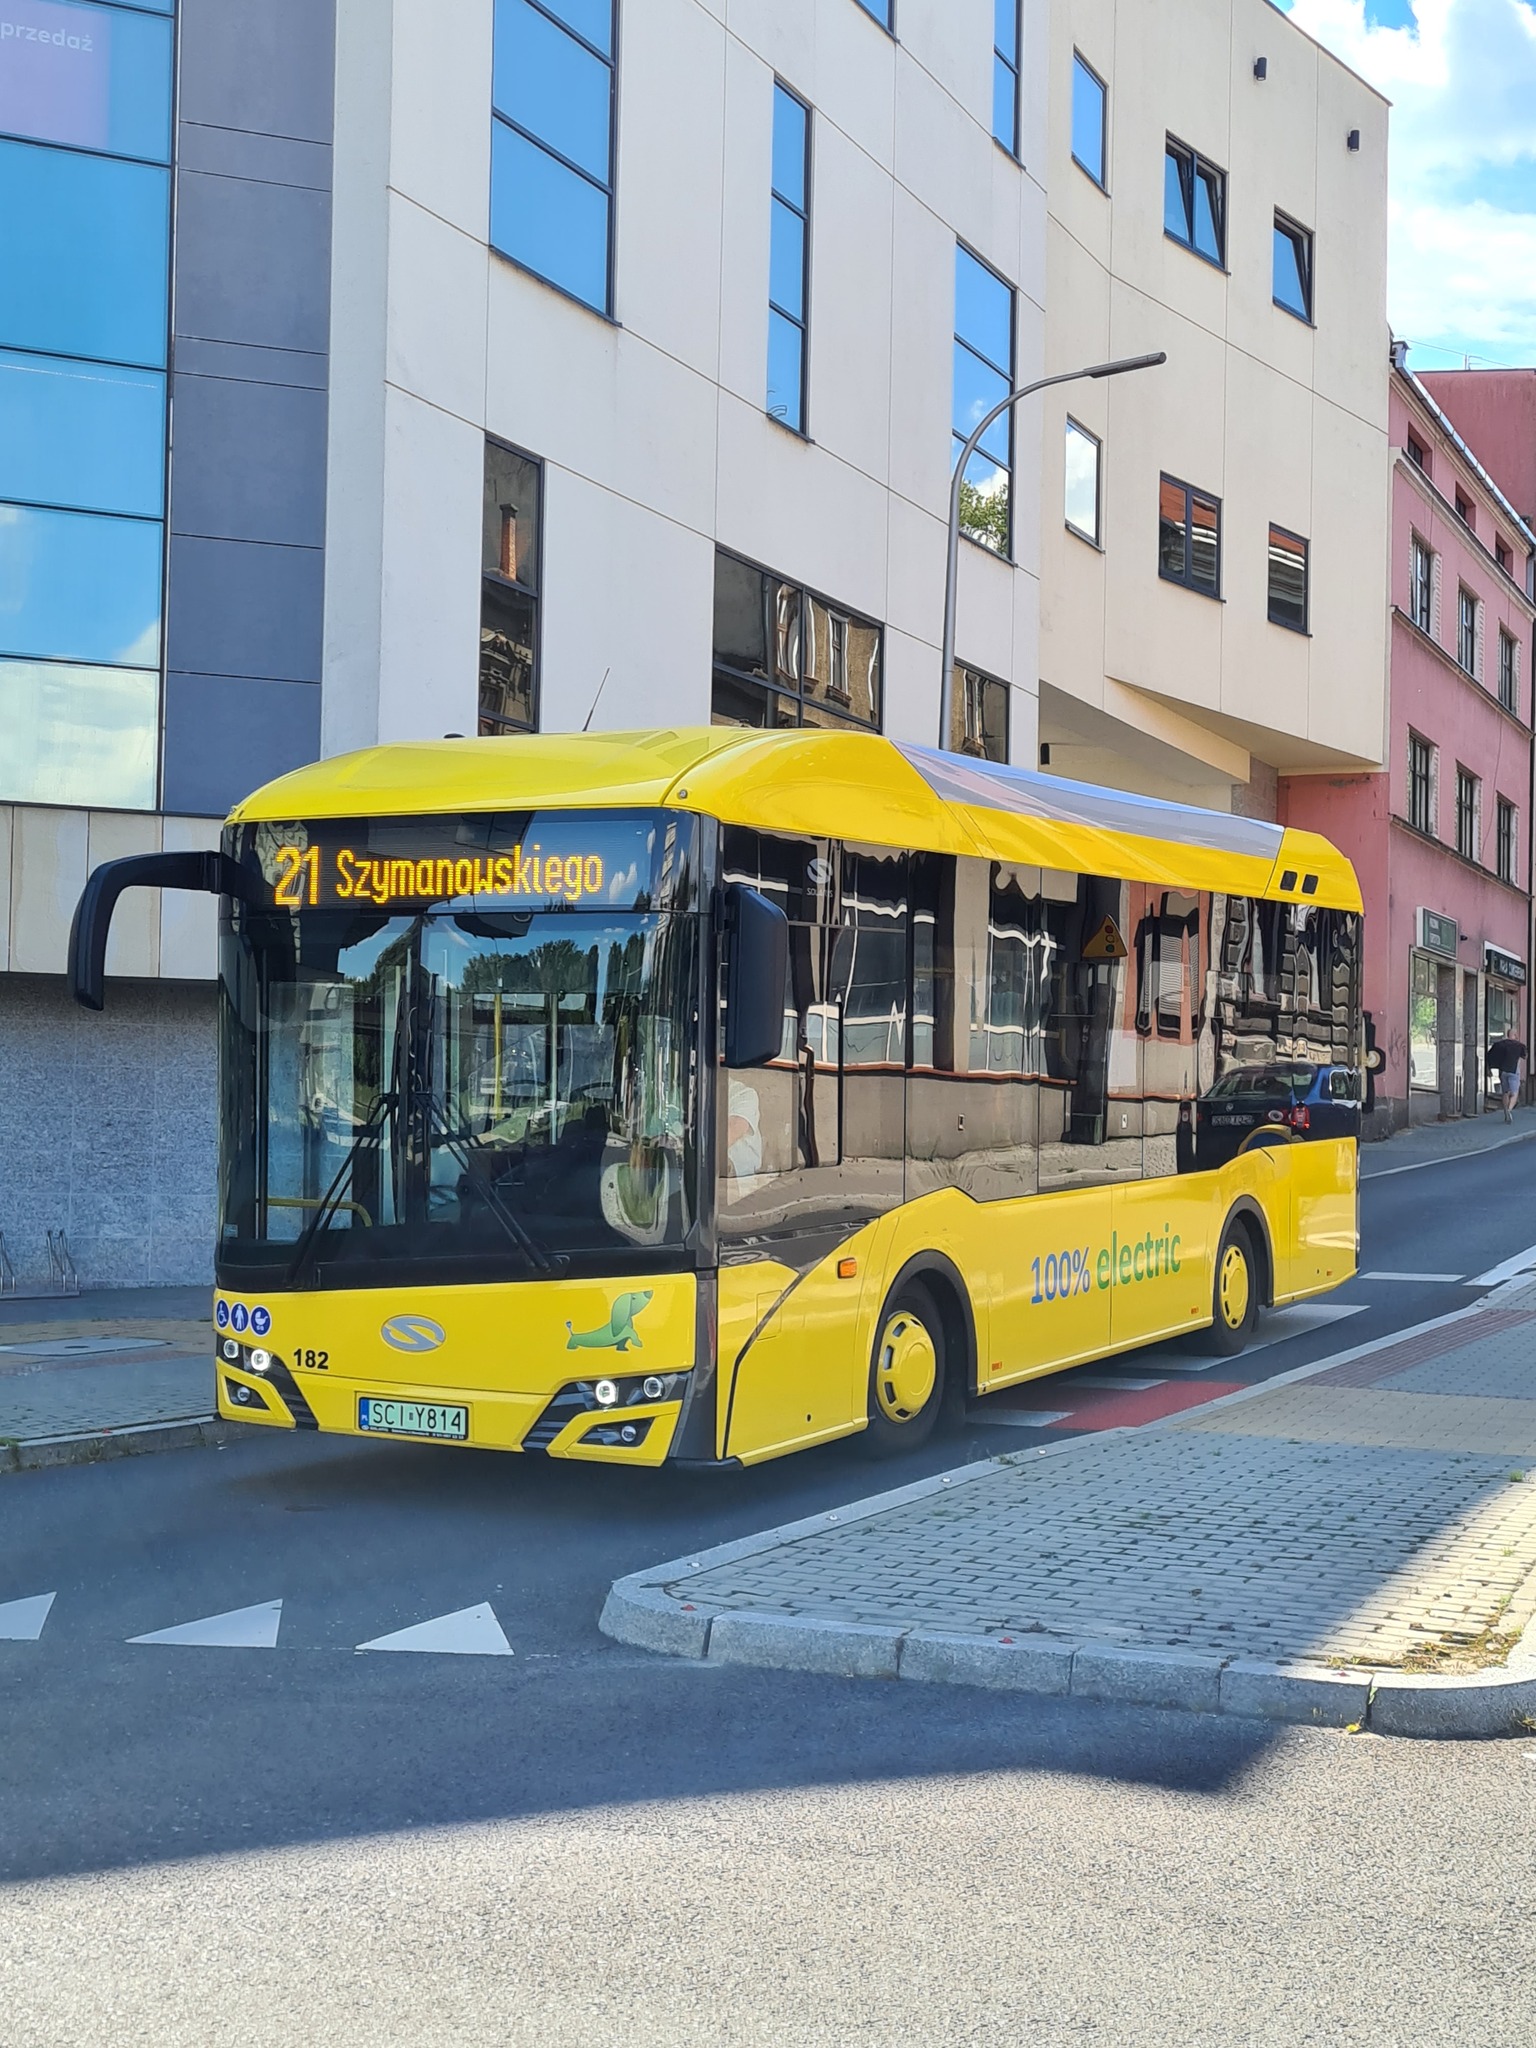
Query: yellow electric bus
[696, 1096]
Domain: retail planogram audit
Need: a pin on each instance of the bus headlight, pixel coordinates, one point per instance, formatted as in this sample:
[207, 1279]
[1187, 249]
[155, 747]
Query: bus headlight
[230, 1349]
[605, 1393]
[653, 1388]
[260, 1360]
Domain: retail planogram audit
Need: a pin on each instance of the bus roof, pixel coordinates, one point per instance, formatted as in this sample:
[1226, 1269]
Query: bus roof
[845, 785]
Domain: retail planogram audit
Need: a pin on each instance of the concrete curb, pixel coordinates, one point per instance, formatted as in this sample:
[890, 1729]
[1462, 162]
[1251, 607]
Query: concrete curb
[91, 1447]
[648, 1610]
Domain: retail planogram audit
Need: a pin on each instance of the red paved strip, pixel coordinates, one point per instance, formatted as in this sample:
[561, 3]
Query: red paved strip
[1381, 1365]
[1103, 1408]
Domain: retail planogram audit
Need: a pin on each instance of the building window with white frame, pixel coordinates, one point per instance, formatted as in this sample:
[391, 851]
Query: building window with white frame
[1468, 803]
[1509, 671]
[984, 375]
[1090, 120]
[553, 97]
[1466, 630]
[1421, 585]
[788, 259]
[1421, 785]
[1007, 40]
[1083, 471]
[1509, 839]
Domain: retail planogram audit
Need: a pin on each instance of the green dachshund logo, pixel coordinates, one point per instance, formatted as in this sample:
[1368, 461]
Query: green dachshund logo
[618, 1333]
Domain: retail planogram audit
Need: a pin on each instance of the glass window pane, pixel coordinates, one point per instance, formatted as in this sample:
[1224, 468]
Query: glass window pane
[81, 434]
[548, 217]
[506, 657]
[786, 370]
[984, 311]
[1082, 482]
[78, 735]
[789, 147]
[590, 18]
[509, 544]
[880, 9]
[1173, 510]
[741, 615]
[1005, 29]
[786, 262]
[96, 77]
[549, 85]
[977, 390]
[1204, 543]
[1087, 119]
[75, 587]
[1290, 285]
[984, 504]
[1287, 580]
[738, 703]
[1005, 104]
[1208, 213]
[83, 254]
[1175, 210]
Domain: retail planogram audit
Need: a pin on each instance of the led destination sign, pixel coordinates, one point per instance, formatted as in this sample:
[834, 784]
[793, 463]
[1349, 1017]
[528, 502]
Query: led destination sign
[549, 860]
[377, 878]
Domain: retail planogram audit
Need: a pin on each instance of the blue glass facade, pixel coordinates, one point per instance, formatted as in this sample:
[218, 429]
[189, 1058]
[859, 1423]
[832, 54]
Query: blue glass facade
[552, 89]
[984, 375]
[85, 222]
[788, 249]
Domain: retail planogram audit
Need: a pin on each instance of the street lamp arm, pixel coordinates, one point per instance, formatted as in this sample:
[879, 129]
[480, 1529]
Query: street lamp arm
[973, 442]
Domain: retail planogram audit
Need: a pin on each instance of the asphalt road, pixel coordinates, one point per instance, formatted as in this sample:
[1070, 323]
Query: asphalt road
[582, 1844]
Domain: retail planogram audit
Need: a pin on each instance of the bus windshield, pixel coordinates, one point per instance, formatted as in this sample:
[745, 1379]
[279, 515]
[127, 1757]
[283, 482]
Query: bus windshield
[515, 1088]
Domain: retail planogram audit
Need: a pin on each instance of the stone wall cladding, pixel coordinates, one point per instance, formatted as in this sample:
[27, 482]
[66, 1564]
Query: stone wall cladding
[108, 1130]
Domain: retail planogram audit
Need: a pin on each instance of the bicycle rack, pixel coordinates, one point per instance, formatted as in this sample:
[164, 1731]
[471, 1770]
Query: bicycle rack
[61, 1267]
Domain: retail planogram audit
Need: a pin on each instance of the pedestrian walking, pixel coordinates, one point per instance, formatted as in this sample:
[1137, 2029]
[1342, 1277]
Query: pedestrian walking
[1505, 1055]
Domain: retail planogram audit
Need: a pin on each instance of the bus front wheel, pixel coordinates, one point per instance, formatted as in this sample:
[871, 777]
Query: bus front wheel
[1234, 1293]
[906, 1374]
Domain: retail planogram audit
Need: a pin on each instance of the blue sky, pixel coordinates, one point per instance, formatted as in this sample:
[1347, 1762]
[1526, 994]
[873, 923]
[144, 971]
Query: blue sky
[1461, 75]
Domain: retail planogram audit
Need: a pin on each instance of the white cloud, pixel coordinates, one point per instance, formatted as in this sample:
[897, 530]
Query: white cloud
[1462, 81]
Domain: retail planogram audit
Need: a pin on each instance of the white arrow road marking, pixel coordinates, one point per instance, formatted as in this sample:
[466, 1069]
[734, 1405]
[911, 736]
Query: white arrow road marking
[243, 1628]
[21, 1621]
[472, 1632]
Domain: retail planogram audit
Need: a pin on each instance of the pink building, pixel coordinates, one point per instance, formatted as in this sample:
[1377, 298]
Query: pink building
[1442, 837]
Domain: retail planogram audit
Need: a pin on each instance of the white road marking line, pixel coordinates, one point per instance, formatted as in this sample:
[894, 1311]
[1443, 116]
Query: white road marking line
[1507, 1269]
[1277, 1326]
[21, 1621]
[1429, 1279]
[1019, 1418]
[1367, 1173]
[242, 1628]
[471, 1632]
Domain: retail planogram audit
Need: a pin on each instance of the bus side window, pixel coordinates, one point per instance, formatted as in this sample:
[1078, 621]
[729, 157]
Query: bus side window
[1091, 1104]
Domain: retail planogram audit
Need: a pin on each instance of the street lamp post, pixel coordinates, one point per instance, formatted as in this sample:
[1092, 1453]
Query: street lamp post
[952, 560]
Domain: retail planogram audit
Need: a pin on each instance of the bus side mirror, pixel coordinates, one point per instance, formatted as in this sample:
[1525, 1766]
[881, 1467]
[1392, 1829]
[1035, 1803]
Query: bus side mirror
[213, 873]
[756, 974]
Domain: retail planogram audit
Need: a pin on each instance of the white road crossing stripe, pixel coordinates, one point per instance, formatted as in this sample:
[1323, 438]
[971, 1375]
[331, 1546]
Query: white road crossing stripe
[243, 1628]
[1019, 1418]
[1508, 1269]
[84, 1347]
[21, 1621]
[1120, 1384]
[471, 1632]
[1435, 1279]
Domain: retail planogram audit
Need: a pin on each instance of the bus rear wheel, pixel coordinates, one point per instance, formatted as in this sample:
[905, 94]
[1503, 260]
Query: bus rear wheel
[1234, 1293]
[906, 1374]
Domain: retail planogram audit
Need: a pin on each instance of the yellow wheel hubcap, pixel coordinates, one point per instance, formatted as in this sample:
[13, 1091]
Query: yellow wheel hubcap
[1234, 1285]
[905, 1369]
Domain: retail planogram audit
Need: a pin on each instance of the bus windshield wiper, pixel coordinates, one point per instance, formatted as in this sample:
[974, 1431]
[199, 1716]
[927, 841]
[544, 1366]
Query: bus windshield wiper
[367, 1134]
[459, 1143]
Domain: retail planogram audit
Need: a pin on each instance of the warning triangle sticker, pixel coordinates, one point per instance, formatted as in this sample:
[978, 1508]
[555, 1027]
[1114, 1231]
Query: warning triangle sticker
[1106, 943]
[471, 1632]
[21, 1621]
[243, 1628]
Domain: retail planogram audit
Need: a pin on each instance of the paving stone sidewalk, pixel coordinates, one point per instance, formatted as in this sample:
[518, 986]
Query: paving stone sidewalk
[1373, 1516]
[103, 1371]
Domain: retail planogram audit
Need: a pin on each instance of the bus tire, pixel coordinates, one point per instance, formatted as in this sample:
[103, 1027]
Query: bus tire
[1235, 1291]
[907, 1370]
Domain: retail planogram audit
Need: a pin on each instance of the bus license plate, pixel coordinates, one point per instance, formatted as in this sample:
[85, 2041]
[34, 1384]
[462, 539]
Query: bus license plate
[445, 1419]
